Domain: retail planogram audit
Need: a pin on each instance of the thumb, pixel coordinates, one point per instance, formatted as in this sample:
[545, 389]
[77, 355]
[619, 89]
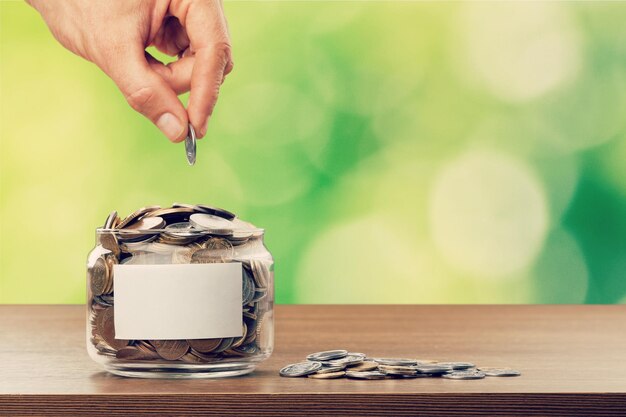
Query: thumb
[150, 95]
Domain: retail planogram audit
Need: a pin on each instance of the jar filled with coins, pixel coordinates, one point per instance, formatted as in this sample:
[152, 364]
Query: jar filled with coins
[179, 292]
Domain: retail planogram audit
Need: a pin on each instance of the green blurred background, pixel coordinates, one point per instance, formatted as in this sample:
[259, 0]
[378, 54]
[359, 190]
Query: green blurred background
[395, 152]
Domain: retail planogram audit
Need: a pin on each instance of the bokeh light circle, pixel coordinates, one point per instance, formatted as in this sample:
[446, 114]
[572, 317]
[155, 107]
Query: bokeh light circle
[520, 50]
[488, 214]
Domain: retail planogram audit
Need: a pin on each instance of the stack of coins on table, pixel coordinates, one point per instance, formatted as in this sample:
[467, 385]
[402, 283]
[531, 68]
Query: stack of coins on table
[181, 234]
[340, 363]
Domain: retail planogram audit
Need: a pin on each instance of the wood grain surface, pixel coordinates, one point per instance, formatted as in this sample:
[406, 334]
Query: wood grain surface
[573, 361]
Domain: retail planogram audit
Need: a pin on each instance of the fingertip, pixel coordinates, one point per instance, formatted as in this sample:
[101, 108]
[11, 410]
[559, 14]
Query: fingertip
[204, 127]
[172, 127]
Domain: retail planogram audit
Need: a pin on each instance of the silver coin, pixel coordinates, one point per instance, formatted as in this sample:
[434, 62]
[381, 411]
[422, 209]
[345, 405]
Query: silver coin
[108, 224]
[464, 375]
[397, 370]
[366, 375]
[395, 361]
[300, 369]
[248, 288]
[330, 369]
[213, 224]
[327, 355]
[499, 372]
[181, 229]
[190, 145]
[350, 359]
[216, 211]
[433, 369]
[133, 233]
[457, 366]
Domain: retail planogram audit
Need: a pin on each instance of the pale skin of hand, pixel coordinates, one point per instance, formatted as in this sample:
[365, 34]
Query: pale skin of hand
[114, 34]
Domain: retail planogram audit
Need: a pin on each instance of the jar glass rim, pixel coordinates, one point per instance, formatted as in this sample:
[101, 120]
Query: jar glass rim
[101, 230]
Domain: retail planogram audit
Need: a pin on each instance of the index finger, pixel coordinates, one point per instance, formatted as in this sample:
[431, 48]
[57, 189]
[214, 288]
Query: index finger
[210, 42]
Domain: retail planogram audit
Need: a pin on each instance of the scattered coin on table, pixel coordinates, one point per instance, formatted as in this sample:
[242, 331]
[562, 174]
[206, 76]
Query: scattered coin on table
[340, 363]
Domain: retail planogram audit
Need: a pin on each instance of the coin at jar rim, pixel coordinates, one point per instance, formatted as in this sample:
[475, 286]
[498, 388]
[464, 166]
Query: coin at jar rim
[170, 350]
[366, 375]
[136, 215]
[172, 214]
[300, 369]
[215, 211]
[111, 220]
[395, 361]
[109, 242]
[190, 145]
[204, 345]
[99, 275]
[181, 229]
[327, 355]
[241, 225]
[499, 372]
[327, 375]
[364, 366]
[213, 224]
[105, 324]
[182, 205]
[457, 366]
[133, 233]
[464, 375]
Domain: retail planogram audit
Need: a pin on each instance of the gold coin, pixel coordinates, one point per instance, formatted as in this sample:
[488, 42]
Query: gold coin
[172, 214]
[204, 345]
[170, 349]
[106, 329]
[364, 366]
[111, 220]
[109, 242]
[206, 357]
[135, 353]
[136, 215]
[98, 275]
[225, 344]
[328, 375]
[110, 261]
[191, 358]
[239, 342]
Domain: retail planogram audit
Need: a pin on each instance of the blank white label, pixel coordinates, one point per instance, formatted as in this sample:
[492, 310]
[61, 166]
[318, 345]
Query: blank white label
[188, 301]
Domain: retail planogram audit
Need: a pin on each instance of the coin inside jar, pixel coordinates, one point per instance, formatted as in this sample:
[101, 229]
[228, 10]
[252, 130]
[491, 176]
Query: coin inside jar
[166, 236]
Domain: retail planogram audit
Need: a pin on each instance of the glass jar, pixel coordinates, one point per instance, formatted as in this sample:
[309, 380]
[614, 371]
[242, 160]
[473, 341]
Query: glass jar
[180, 292]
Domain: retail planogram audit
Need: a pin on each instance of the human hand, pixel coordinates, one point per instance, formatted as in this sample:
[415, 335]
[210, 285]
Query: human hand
[113, 34]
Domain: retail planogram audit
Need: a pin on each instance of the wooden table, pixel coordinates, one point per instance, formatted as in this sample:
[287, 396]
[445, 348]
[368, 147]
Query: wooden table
[573, 360]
